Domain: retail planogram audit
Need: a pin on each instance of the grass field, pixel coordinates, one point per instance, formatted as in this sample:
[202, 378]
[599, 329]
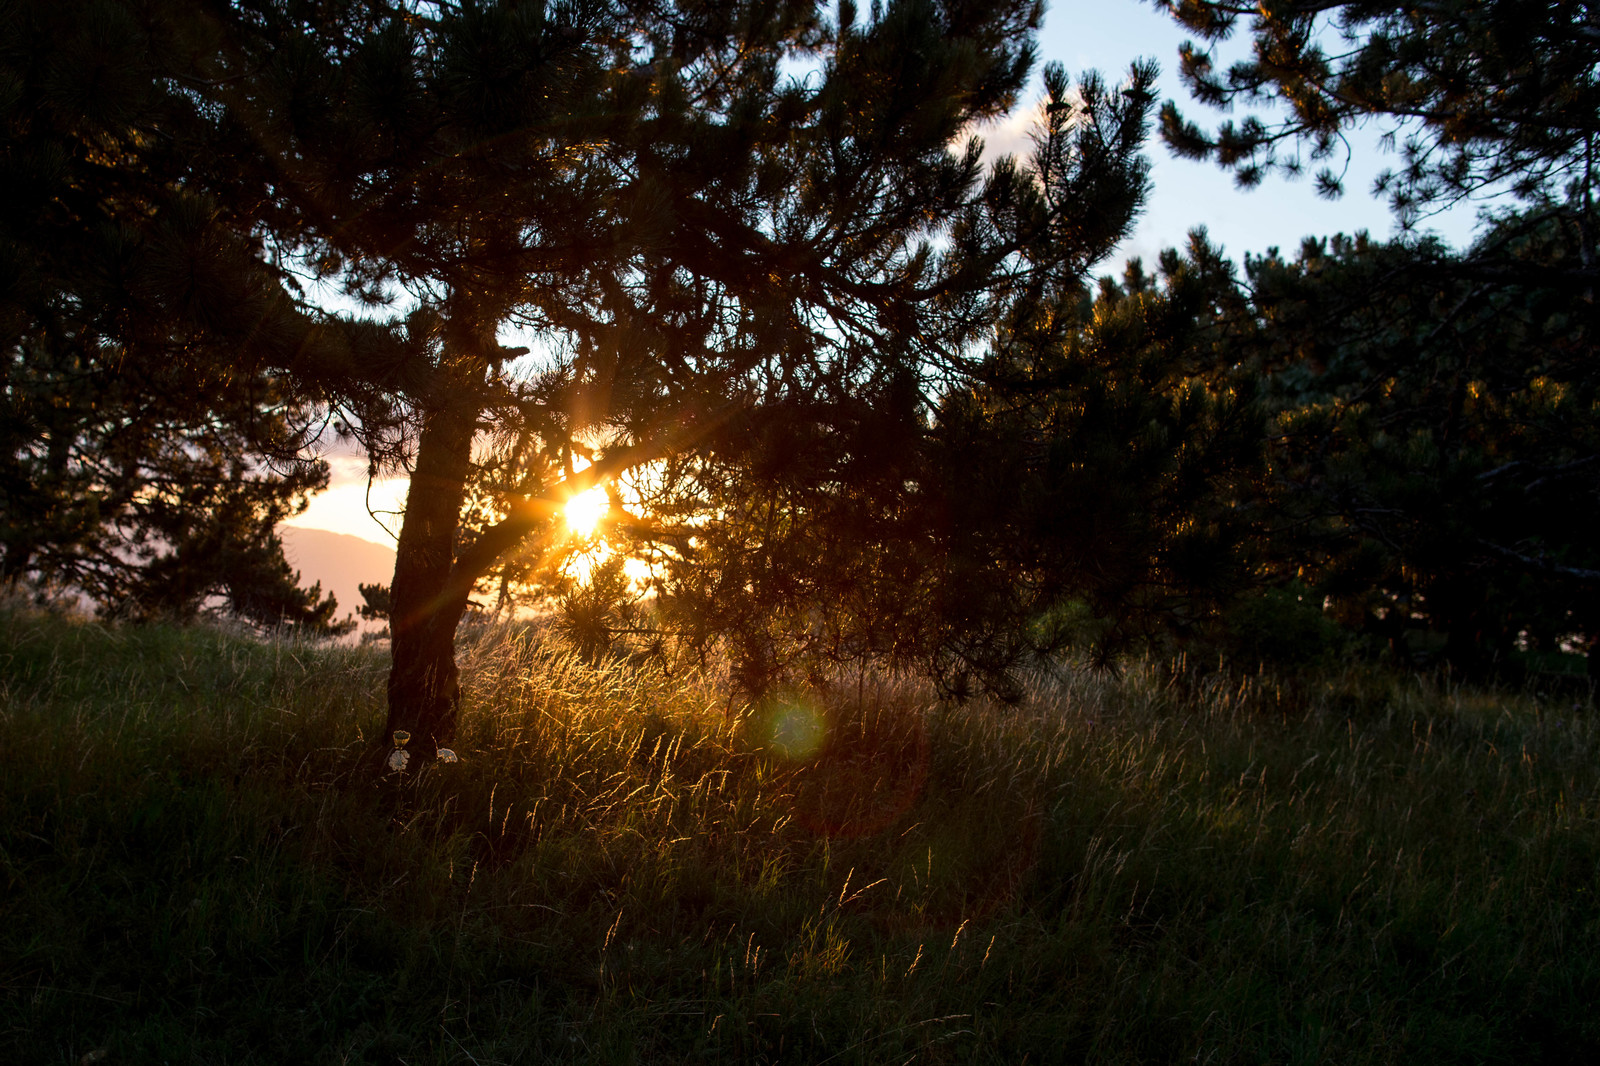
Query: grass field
[626, 867]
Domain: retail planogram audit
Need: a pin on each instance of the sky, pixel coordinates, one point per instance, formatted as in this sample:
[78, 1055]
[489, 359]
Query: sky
[1080, 34]
[344, 506]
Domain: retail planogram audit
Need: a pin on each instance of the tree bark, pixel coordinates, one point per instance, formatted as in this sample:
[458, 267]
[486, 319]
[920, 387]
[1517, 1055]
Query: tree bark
[426, 603]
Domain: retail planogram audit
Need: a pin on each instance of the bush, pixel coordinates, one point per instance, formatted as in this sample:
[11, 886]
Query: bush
[1282, 626]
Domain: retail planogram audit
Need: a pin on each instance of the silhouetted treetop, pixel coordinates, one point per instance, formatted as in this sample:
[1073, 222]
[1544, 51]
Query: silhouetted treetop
[1473, 94]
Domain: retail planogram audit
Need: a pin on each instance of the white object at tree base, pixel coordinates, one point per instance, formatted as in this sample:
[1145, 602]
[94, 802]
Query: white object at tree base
[399, 758]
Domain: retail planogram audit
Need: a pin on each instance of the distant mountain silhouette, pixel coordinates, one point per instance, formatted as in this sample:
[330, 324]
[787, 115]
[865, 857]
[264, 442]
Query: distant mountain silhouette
[341, 562]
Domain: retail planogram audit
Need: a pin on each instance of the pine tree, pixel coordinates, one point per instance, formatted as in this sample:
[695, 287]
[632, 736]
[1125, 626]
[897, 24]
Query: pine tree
[1094, 481]
[155, 493]
[1437, 447]
[713, 219]
[142, 460]
[1437, 450]
[701, 238]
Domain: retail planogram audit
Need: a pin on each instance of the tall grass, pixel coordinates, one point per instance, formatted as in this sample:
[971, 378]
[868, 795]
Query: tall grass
[627, 867]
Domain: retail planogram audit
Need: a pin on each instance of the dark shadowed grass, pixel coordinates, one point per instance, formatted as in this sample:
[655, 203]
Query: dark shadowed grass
[1345, 869]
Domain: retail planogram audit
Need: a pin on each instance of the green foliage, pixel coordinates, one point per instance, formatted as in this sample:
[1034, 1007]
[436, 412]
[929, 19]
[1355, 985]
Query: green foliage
[823, 519]
[1348, 866]
[1097, 484]
[1097, 488]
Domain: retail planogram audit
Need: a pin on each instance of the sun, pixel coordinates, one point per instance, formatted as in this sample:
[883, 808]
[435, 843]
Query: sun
[584, 511]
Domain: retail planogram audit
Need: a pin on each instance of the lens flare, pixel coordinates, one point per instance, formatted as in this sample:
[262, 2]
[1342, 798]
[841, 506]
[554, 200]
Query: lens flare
[794, 731]
[584, 511]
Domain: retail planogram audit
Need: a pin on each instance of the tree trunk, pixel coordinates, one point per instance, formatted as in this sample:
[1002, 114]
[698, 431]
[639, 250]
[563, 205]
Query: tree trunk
[426, 603]
[431, 582]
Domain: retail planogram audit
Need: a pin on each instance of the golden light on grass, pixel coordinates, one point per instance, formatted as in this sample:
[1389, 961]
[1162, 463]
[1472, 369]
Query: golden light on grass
[584, 511]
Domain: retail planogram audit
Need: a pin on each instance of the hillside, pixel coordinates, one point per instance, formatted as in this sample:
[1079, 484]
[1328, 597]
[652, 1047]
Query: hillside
[341, 562]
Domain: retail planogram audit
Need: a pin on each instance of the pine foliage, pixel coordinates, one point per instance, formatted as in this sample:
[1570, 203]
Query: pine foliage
[1474, 96]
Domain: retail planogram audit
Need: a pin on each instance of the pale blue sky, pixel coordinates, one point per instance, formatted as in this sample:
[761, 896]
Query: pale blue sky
[1110, 34]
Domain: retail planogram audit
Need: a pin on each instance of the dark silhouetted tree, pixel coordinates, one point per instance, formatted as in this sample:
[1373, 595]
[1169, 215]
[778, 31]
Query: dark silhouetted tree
[714, 219]
[1095, 479]
[145, 454]
[1436, 452]
[1437, 449]
[157, 495]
